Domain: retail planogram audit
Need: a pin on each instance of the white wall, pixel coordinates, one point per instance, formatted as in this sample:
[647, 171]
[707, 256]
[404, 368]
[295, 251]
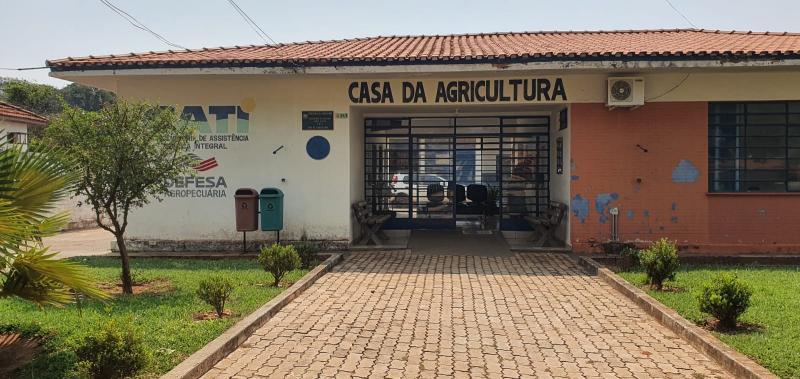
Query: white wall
[356, 164]
[678, 84]
[8, 126]
[317, 192]
[81, 214]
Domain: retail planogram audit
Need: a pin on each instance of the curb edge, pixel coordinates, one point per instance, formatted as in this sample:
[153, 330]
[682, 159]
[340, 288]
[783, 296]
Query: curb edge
[735, 362]
[204, 359]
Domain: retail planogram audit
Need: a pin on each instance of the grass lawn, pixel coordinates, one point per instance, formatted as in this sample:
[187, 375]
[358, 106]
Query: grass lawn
[775, 307]
[163, 318]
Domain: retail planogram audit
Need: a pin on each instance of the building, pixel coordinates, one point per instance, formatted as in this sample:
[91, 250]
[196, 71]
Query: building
[14, 124]
[689, 134]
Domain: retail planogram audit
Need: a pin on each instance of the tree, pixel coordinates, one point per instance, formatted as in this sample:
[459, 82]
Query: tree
[125, 153]
[31, 183]
[42, 99]
[87, 98]
[47, 100]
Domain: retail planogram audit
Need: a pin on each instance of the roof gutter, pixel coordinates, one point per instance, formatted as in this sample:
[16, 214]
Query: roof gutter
[366, 69]
[23, 120]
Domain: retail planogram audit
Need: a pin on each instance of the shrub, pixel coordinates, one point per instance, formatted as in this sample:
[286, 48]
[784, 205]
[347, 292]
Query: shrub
[278, 260]
[215, 291]
[726, 298]
[615, 247]
[27, 330]
[114, 351]
[660, 261]
[81, 370]
[628, 258]
[308, 253]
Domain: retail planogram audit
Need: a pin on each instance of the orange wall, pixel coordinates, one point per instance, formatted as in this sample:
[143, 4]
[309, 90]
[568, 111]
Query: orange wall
[662, 192]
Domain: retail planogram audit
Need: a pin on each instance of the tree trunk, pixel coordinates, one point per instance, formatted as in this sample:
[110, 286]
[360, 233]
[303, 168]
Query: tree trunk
[127, 282]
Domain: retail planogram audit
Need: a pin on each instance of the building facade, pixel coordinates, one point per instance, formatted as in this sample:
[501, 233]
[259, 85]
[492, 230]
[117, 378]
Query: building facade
[14, 124]
[700, 143]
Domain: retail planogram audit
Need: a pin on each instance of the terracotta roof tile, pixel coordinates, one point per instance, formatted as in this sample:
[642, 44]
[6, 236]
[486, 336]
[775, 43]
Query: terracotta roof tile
[15, 113]
[672, 43]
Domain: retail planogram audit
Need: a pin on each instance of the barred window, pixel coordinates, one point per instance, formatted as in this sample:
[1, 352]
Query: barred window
[754, 146]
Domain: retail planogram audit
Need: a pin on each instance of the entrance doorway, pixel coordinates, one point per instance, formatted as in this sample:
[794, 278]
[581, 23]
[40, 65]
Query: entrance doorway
[449, 172]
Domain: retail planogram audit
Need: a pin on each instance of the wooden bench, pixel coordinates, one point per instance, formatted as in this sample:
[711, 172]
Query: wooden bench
[544, 227]
[371, 224]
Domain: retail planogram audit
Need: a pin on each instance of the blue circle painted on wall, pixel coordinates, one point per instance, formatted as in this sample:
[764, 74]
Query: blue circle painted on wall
[318, 147]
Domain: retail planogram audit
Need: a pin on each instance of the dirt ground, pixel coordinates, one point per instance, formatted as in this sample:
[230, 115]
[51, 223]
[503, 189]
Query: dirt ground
[81, 243]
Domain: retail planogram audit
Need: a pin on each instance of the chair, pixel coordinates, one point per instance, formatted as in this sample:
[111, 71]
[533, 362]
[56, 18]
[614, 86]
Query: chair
[460, 197]
[547, 224]
[477, 193]
[435, 194]
[461, 193]
[371, 224]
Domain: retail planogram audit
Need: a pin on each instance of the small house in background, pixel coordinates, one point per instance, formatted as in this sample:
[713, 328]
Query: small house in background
[15, 121]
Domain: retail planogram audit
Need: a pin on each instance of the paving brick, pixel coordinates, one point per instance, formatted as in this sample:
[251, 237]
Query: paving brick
[402, 315]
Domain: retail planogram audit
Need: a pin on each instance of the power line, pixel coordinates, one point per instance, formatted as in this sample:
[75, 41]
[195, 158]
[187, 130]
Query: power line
[680, 13]
[261, 33]
[680, 83]
[138, 24]
[22, 68]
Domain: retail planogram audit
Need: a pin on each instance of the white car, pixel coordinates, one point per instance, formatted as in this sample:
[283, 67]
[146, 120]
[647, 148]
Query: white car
[399, 183]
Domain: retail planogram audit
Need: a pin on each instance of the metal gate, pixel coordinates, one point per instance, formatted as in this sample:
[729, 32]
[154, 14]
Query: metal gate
[434, 172]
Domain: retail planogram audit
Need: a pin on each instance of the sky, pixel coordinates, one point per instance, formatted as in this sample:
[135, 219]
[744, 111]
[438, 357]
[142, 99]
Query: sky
[36, 30]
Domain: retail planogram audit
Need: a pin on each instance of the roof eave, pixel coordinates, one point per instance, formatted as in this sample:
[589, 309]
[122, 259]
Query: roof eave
[729, 58]
[24, 120]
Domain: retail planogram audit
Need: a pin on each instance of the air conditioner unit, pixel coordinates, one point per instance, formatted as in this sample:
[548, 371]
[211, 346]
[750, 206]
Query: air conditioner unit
[625, 91]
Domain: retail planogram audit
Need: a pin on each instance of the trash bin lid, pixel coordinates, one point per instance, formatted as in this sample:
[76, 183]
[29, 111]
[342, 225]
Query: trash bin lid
[246, 192]
[271, 192]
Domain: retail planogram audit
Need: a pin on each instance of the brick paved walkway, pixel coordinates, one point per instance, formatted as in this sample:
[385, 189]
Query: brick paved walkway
[402, 315]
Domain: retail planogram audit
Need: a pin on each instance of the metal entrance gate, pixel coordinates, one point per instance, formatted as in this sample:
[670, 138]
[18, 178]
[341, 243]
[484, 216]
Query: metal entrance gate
[433, 172]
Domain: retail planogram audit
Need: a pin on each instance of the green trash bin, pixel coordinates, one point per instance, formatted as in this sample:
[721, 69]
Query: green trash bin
[271, 207]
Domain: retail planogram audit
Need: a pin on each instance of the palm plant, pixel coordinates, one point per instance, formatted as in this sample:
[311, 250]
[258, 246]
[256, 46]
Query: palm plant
[31, 183]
